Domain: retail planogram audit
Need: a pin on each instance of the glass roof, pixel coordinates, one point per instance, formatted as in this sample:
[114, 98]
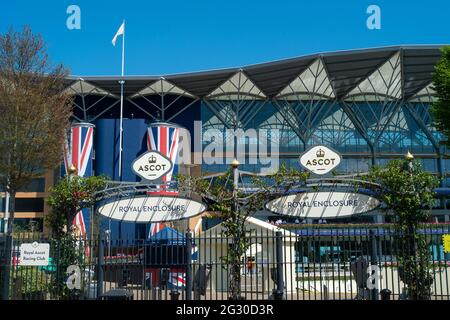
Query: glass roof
[162, 87]
[312, 84]
[385, 81]
[426, 95]
[82, 87]
[238, 87]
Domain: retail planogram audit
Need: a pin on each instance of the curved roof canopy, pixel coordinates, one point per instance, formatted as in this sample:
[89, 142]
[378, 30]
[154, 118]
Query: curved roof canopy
[401, 72]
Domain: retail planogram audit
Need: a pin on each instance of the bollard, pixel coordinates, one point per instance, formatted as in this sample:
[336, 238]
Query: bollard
[174, 295]
[385, 294]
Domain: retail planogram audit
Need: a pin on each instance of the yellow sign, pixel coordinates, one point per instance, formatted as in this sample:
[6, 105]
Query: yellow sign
[446, 241]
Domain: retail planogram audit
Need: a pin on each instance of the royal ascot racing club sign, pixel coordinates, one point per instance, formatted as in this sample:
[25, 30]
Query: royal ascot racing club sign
[34, 254]
[323, 204]
[147, 209]
[320, 160]
[152, 165]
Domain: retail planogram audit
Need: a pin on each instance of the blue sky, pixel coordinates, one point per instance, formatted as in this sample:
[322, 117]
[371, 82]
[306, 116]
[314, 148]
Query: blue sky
[166, 37]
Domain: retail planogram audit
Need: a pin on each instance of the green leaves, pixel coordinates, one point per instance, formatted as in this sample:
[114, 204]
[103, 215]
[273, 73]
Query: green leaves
[407, 191]
[69, 196]
[441, 84]
[235, 206]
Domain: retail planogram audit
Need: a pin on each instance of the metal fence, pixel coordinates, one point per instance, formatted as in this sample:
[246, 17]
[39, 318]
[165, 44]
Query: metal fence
[300, 264]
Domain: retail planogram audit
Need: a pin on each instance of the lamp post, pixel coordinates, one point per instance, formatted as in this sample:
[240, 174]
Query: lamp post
[235, 169]
[72, 170]
[409, 157]
[235, 257]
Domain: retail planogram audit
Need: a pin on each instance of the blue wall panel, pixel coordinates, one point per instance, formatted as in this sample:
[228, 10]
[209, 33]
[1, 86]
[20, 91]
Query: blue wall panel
[107, 161]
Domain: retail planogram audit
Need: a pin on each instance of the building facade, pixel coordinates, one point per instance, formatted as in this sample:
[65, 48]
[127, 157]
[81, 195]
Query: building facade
[370, 105]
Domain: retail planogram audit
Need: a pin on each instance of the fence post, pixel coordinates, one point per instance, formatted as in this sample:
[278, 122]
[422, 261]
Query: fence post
[188, 265]
[100, 266]
[279, 261]
[7, 267]
[374, 262]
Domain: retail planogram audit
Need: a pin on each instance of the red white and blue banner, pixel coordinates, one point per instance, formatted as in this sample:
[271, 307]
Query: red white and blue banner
[164, 138]
[177, 276]
[155, 228]
[78, 150]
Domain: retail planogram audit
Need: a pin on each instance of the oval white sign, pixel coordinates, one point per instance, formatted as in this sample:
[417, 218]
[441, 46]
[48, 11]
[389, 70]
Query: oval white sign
[151, 165]
[322, 204]
[320, 160]
[145, 209]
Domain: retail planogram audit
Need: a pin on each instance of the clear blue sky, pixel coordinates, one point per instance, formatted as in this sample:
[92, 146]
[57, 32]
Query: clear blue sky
[165, 37]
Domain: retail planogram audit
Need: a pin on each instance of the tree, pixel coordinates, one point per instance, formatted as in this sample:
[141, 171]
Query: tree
[70, 195]
[234, 205]
[408, 193]
[441, 84]
[35, 112]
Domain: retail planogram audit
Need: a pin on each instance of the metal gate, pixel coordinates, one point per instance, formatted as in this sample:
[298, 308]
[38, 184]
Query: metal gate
[301, 264]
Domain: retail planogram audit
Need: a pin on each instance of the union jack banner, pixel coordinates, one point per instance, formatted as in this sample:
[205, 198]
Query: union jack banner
[78, 151]
[155, 228]
[177, 278]
[164, 138]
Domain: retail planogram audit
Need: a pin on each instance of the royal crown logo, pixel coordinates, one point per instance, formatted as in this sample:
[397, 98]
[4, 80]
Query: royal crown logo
[320, 160]
[152, 159]
[320, 153]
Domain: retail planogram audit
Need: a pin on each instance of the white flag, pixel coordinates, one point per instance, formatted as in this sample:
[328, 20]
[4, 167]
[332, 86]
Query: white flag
[121, 31]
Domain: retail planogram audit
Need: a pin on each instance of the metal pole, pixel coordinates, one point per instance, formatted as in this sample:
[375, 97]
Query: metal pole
[374, 262]
[279, 262]
[7, 267]
[8, 250]
[188, 265]
[100, 266]
[235, 260]
[121, 102]
[6, 218]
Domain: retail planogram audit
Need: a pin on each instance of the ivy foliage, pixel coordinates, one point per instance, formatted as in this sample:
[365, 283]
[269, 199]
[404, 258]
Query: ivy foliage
[408, 194]
[407, 191]
[235, 205]
[31, 282]
[441, 85]
[69, 196]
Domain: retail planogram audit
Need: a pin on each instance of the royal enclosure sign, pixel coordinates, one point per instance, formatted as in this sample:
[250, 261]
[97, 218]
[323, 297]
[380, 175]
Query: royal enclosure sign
[34, 254]
[151, 165]
[320, 160]
[335, 204]
[145, 209]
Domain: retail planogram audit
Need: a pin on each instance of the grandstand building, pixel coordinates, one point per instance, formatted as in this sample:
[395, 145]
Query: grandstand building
[370, 105]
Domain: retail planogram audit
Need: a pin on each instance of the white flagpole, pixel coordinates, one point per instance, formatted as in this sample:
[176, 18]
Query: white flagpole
[122, 81]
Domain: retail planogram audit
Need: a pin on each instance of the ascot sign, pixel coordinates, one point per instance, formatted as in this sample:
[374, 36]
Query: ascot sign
[322, 204]
[145, 209]
[320, 160]
[151, 165]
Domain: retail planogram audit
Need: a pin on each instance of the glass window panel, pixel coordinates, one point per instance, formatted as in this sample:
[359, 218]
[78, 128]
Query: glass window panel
[29, 205]
[36, 185]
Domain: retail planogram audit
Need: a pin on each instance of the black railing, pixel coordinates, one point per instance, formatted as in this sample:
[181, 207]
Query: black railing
[302, 264]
